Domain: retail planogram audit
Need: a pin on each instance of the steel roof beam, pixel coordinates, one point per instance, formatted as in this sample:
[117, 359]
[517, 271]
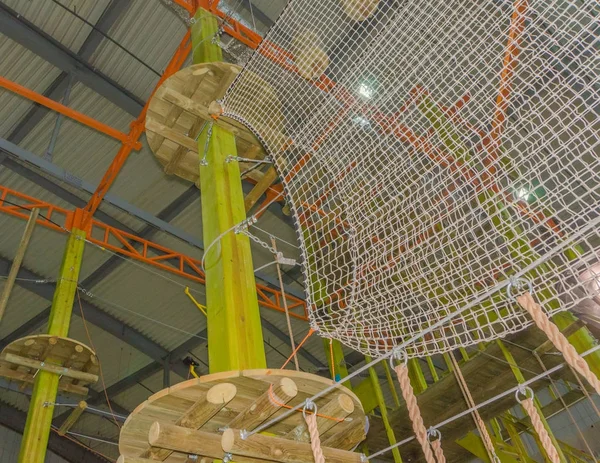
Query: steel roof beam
[15, 419]
[97, 317]
[22, 31]
[56, 89]
[63, 175]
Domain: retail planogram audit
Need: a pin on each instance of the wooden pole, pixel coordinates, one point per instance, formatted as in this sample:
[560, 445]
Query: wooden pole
[266, 405]
[383, 410]
[190, 441]
[521, 379]
[285, 306]
[280, 450]
[45, 388]
[235, 340]
[16, 264]
[72, 418]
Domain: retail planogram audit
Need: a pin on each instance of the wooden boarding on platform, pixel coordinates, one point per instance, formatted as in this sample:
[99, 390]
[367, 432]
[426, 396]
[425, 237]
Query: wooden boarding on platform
[250, 397]
[75, 362]
[185, 104]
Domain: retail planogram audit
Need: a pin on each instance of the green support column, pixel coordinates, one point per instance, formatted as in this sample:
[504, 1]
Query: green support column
[45, 388]
[235, 340]
[339, 370]
[383, 409]
[521, 379]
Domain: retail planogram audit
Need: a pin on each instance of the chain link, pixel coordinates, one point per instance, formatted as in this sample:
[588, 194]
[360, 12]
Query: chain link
[203, 161]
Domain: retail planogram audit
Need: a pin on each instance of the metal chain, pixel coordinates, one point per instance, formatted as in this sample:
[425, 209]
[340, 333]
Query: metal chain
[257, 240]
[266, 160]
[203, 161]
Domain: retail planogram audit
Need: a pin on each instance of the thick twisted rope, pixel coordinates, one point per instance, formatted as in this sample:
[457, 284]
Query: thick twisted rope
[537, 424]
[413, 411]
[483, 431]
[436, 445]
[571, 356]
[315, 440]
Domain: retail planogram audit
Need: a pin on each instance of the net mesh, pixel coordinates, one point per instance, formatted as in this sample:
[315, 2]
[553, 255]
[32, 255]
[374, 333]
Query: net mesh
[430, 151]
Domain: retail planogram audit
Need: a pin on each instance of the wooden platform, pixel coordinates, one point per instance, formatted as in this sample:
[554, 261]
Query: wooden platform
[185, 102]
[75, 362]
[238, 400]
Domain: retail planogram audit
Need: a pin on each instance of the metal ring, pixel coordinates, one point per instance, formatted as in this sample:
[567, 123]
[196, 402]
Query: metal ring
[524, 390]
[309, 405]
[433, 432]
[517, 283]
[398, 354]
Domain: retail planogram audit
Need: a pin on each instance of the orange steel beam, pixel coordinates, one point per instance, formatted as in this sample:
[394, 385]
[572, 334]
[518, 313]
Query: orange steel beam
[69, 112]
[126, 244]
[137, 128]
[509, 64]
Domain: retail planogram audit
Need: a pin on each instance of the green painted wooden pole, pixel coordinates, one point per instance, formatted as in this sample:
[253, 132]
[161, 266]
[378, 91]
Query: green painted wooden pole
[383, 410]
[235, 340]
[339, 369]
[45, 388]
[521, 379]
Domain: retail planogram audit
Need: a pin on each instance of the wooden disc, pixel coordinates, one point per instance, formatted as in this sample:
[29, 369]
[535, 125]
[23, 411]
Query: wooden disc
[54, 349]
[183, 105]
[169, 405]
[310, 59]
[359, 10]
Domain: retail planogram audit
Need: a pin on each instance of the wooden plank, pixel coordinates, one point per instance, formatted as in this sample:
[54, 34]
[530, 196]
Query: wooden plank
[50, 367]
[259, 189]
[198, 414]
[346, 435]
[6, 372]
[190, 441]
[281, 450]
[201, 111]
[16, 263]
[72, 418]
[171, 134]
[339, 407]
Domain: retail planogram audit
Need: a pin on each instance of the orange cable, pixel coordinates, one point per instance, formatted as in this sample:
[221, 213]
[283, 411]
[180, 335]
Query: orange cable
[332, 359]
[281, 404]
[309, 334]
[99, 363]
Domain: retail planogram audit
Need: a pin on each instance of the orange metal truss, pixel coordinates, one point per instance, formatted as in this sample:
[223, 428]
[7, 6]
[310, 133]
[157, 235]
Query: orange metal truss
[69, 112]
[127, 244]
[137, 128]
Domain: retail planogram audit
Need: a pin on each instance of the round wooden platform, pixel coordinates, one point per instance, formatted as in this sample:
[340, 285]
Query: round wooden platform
[183, 104]
[75, 362]
[240, 400]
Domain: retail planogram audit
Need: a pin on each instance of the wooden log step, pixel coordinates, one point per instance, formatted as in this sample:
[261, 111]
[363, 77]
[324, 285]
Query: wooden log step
[199, 414]
[49, 367]
[189, 441]
[204, 409]
[29, 379]
[346, 434]
[266, 405]
[72, 418]
[339, 407]
[279, 449]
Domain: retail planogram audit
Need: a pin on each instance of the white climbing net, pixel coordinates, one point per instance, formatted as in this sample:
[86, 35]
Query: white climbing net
[431, 150]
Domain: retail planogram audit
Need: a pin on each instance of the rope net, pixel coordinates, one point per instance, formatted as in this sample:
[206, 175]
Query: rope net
[430, 150]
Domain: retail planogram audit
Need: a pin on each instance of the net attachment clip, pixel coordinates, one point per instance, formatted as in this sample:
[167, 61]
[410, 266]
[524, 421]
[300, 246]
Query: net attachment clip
[518, 285]
[398, 354]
